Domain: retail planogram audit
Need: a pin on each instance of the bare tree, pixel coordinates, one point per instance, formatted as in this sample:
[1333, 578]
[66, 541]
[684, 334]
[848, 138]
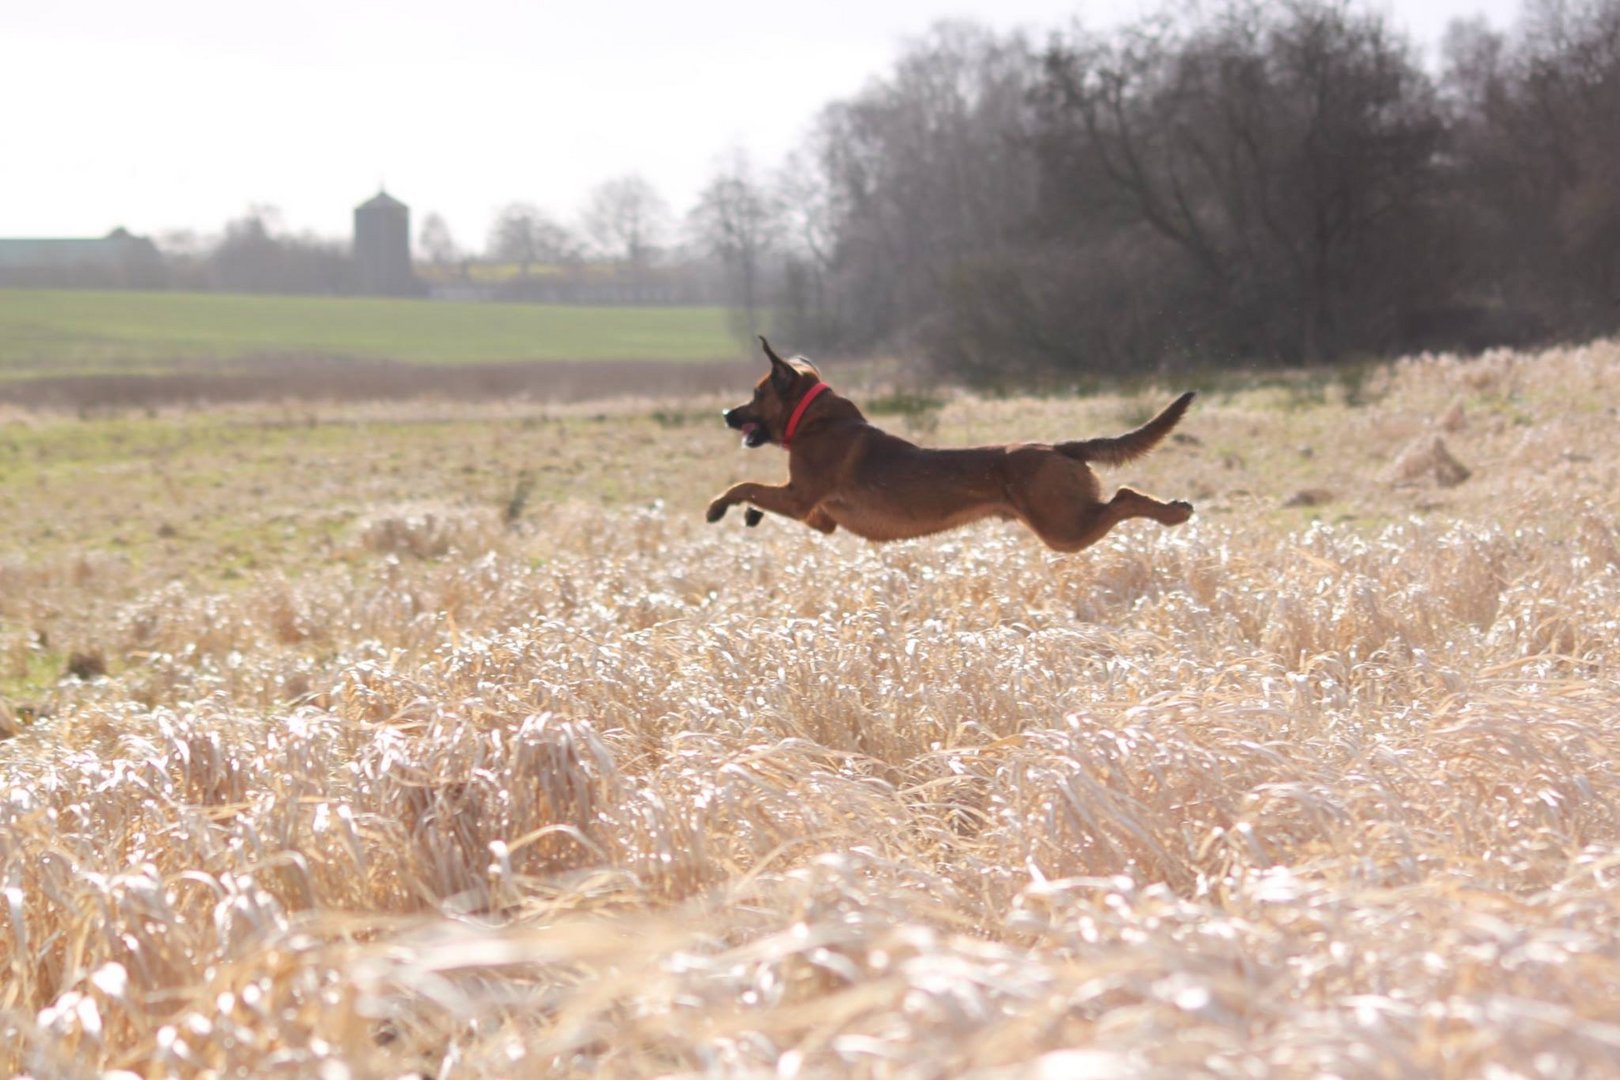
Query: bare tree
[436, 243]
[737, 220]
[1536, 149]
[524, 234]
[258, 255]
[927, 169]
[625, 218]
[1286, 150]
[808, 310]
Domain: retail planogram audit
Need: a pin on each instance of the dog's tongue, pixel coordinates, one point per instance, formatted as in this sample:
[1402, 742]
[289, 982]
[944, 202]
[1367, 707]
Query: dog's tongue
[748, 429]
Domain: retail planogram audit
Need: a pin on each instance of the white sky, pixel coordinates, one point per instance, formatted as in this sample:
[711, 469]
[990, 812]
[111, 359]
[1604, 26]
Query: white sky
[171, 114]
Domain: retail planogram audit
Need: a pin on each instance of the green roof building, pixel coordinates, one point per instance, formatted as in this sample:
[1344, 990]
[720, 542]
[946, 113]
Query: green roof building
[117, 260]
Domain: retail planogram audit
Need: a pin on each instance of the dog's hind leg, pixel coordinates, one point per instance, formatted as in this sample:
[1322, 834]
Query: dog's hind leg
[1080, 531]
[821, 521]
[817, 519]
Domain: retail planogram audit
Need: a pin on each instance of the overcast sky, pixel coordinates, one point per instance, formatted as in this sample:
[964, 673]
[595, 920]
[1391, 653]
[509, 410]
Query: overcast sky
[171, 114]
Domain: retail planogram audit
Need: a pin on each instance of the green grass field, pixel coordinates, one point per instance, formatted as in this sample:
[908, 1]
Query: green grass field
[65, 331]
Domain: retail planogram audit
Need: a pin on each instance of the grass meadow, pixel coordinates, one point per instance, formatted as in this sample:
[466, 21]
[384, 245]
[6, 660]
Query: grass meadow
[58, 332]
[445, 739]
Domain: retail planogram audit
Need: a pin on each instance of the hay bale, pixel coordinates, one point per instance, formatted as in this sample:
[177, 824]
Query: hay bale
[1428, 458]
[1454, 419]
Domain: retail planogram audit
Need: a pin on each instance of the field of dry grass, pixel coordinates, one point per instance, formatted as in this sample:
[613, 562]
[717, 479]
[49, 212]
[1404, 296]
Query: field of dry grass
[447, 740]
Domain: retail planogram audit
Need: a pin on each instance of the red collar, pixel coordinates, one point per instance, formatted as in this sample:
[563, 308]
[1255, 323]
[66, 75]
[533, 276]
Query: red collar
[798, 412]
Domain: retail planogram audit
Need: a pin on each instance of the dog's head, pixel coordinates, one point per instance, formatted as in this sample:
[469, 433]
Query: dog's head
[764, 417]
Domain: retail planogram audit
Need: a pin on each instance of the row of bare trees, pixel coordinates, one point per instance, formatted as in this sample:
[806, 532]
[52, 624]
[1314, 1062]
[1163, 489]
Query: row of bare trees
[626, 234]
[624, 219]
[258, 254]
[1246, 182]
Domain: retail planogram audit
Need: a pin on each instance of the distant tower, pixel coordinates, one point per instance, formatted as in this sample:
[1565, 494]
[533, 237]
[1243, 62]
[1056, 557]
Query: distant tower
[382, 246]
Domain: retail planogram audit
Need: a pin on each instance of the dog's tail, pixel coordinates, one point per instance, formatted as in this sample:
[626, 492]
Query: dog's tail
[1132, 444]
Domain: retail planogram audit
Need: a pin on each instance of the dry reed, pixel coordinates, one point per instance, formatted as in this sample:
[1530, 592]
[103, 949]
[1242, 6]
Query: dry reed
[624, 794]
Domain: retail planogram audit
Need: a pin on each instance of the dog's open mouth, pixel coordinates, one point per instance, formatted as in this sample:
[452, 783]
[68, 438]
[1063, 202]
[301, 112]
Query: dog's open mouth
[754, 435]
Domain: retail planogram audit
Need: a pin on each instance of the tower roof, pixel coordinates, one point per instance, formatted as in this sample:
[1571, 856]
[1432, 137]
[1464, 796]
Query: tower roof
[382, 201]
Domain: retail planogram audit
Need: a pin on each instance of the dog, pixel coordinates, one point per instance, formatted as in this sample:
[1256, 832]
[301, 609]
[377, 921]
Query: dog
[844, 472]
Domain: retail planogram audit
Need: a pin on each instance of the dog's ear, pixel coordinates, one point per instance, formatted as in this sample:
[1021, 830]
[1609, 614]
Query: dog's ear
[782, 372]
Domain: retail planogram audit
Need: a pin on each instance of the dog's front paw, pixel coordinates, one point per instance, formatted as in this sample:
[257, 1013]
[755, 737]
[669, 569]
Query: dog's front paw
[1183, 510]
[717, 510]
[753, 516]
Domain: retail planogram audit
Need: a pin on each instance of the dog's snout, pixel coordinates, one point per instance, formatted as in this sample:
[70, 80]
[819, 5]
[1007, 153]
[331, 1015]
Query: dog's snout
[733, 417]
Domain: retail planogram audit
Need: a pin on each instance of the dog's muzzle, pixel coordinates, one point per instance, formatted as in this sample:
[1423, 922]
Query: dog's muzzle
[754, 433]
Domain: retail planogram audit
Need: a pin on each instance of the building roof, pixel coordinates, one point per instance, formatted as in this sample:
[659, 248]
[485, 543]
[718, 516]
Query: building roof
[39, 252]
[382, 201]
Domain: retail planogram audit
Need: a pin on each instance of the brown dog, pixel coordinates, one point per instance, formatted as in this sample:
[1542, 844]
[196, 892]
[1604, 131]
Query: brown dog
[843, 471]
